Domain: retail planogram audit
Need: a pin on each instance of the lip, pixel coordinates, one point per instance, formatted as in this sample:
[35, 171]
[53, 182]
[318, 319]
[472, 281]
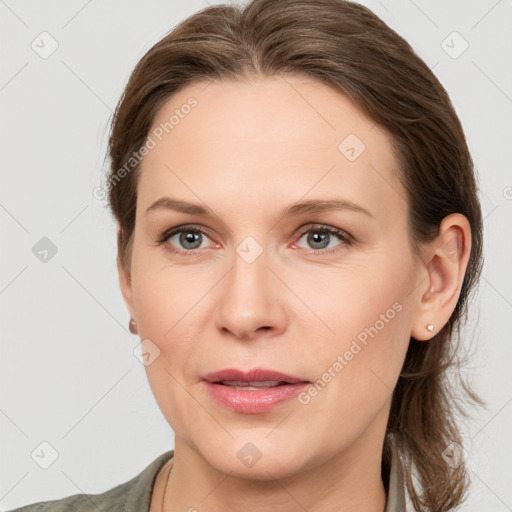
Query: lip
[252, 401]
[255, 375]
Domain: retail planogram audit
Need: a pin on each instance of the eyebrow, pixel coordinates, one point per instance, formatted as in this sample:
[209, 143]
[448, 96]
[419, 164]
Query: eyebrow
[295, 209]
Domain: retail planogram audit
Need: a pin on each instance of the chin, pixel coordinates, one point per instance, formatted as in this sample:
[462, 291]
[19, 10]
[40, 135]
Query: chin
[261, 459]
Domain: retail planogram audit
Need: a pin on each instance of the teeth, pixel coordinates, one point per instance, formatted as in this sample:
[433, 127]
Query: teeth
[261, 384]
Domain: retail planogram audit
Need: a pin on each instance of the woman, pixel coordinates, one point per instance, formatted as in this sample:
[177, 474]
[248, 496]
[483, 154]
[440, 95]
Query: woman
[298, 234]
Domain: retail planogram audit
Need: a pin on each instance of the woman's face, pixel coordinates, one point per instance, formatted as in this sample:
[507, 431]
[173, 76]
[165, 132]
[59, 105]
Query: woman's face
[321, 292]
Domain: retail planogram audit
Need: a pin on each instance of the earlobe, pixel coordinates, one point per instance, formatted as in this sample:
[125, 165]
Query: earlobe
[446, 260]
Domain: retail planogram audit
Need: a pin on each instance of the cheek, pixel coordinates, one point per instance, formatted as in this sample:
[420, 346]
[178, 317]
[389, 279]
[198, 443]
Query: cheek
[368, 314]
[168, 306]
[163, 296]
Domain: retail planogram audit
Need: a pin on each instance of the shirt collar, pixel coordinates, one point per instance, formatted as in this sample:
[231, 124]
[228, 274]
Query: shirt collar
[396, 492]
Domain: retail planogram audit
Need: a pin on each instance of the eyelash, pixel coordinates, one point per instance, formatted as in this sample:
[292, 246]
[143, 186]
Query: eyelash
[344, 237]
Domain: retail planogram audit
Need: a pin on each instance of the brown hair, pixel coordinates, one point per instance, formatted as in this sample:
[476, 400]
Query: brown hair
[346, 46]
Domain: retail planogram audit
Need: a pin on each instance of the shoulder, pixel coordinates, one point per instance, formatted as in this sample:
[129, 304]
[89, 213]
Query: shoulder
[131, 496]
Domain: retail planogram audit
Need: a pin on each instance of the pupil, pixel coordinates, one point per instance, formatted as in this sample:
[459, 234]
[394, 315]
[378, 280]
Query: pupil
[188, 238]
[319, 237]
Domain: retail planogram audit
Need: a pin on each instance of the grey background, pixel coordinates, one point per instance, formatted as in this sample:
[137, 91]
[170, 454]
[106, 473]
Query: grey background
[68, 373]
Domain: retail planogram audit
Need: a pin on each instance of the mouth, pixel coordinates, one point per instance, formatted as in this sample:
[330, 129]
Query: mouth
[257, 378]
[239, 384]
[252, 392]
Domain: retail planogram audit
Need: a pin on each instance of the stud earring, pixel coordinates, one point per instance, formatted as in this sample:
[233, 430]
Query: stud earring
[132, 326]
[430, 328]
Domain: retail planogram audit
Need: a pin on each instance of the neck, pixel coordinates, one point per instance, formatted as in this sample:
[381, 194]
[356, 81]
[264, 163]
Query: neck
[349, 481]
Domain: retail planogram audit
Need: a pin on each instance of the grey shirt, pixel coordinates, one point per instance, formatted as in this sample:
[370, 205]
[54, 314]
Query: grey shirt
[135, 494]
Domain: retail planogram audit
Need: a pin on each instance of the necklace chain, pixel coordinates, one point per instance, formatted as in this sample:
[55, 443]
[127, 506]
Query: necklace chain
[167, 485]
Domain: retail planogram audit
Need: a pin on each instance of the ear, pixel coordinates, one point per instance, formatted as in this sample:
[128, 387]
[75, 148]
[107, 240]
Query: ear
[125, 284]
[445, 260]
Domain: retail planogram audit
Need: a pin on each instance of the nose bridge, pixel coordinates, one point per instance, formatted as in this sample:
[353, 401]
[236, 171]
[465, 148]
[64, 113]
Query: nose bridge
[249, 299]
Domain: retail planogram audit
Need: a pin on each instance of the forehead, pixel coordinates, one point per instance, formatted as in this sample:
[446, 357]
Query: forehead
[268, 136]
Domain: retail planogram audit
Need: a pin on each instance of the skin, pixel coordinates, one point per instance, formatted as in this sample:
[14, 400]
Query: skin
[247, 150]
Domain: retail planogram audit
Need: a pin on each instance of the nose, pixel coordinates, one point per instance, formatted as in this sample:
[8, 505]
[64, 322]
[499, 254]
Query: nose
[251, 301]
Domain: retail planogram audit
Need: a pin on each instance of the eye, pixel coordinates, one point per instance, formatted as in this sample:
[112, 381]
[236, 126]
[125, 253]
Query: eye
[184, 239]
[187, 239]
[321, 237]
